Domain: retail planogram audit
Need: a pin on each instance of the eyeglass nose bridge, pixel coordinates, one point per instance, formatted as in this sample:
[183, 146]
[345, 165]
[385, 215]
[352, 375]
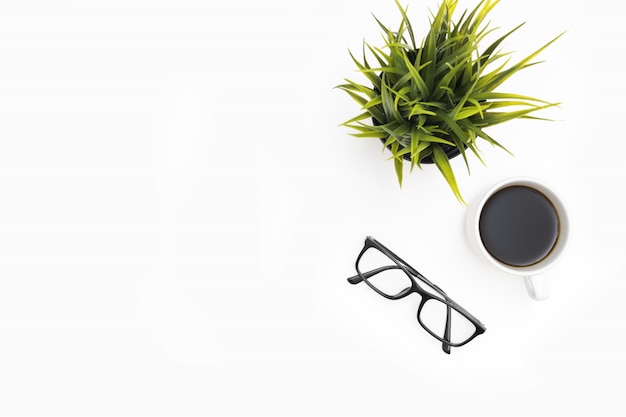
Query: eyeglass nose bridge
[405, 292]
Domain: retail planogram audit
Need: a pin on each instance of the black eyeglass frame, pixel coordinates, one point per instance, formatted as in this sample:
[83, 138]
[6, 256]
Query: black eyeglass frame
[370, 242]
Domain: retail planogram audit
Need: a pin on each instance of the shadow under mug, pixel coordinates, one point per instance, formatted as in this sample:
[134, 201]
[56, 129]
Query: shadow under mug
[535, 282]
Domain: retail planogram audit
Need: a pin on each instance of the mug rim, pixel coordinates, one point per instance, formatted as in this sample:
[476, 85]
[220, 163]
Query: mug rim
[560, 245]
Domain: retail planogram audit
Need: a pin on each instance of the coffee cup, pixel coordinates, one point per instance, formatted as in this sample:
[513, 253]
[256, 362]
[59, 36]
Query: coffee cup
[520, 226]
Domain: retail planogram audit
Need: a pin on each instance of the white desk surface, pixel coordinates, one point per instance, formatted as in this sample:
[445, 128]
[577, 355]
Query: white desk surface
[179, 211]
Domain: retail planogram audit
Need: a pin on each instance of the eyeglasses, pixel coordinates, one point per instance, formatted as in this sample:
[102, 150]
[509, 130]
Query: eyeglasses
[436, 313]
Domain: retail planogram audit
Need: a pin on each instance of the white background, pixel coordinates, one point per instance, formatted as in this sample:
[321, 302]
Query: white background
[179, 211]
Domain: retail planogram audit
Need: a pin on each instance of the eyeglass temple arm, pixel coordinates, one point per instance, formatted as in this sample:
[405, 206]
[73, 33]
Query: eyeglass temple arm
[446, 335]
[357, 278]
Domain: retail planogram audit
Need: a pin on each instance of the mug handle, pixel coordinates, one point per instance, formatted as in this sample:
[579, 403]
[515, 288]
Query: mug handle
[537, 287]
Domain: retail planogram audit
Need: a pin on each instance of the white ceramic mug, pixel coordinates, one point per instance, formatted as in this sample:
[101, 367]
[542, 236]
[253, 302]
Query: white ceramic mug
[536, 284]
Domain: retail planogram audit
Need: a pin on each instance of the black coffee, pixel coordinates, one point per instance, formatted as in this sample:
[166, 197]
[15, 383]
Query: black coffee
[519, 226]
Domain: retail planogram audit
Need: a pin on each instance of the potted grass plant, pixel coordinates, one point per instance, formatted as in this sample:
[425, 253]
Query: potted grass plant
[431, 101]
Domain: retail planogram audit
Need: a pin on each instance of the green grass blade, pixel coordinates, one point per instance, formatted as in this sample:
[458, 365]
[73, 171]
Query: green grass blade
[397, 161]
[417, 78]
[352, 86]
[435, 139]
[407, 22]
[480, 133]
[369, 135]
[388, 103]
[380, 56]
[358, 118]
[372, 76]
[373, 103]
[441, 160]
[494, 118]
[500, 78]
[420, 109]
[362, 101]
[492, 48]
[490, 95]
